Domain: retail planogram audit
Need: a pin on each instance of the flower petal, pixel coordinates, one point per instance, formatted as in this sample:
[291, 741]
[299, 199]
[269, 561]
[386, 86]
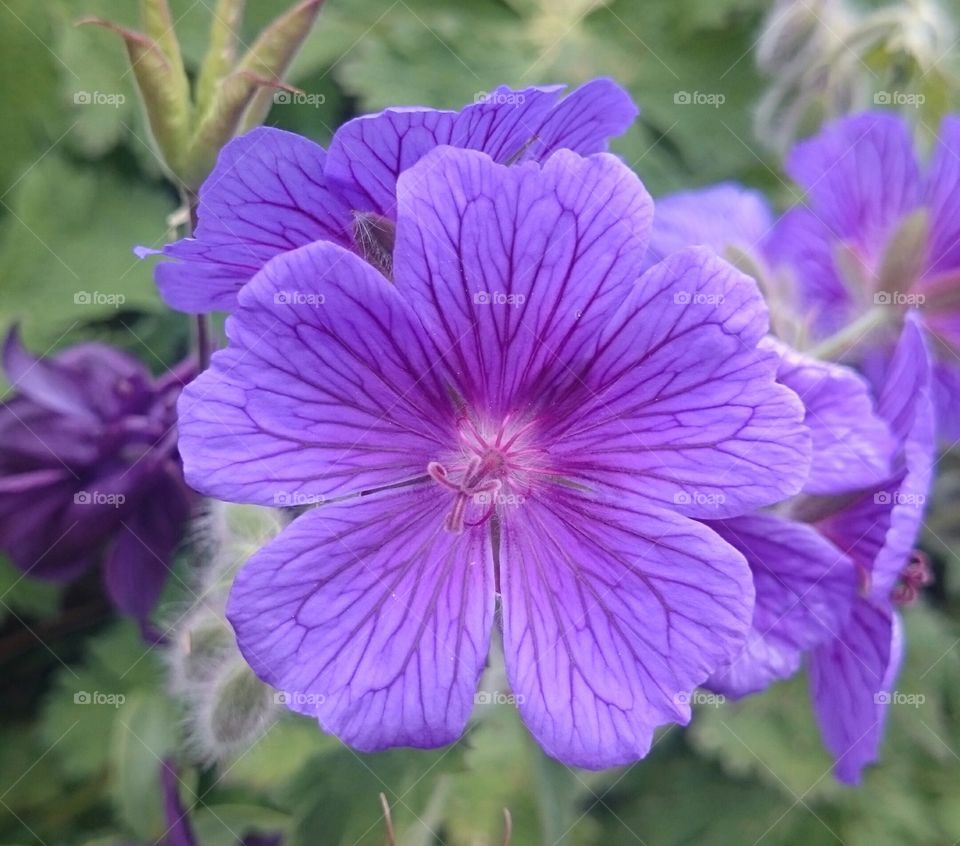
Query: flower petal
[852, 445]
[943, 200]
[324, 388]
[879, 530]
[675, 402]
[805, 590]
[368, 154]
[851, 679]
[611, 616]
[717, 217]
[266, 195]
[372, 617]
[839, 167]
[514, 269]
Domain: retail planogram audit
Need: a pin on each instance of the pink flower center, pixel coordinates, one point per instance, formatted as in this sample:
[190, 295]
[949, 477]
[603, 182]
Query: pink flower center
[493, 464]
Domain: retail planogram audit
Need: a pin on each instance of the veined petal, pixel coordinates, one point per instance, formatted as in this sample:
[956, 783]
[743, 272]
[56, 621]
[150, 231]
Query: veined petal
[612, 614]
[266, 195]
[324, 389]
[852, 445]
[513, 270]
[676, 403]
[372, 617]
[851, 679]
[805, 588]
[368, 154]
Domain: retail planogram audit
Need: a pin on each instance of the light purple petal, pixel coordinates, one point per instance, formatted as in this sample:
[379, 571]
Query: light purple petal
[324, 388]
[805, 589]
[851, 680]
[675, 402]
[861, 176]
[368, 154]
[266, 195]
[611, 616]
[513, 270]
[943, 200]
[372, 617]
[717, 217]
[852, 445]
[879, 530]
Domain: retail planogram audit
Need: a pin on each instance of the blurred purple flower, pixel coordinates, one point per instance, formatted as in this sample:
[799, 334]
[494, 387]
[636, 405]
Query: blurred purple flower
[516, 419]
[89, 470]
[878, 229]
[273, 191]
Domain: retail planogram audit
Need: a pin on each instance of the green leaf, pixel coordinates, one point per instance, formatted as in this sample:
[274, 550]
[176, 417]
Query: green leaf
[65, 249]
[144, 734]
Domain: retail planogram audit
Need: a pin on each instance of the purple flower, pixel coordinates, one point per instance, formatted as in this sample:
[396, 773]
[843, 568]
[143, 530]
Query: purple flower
[273, 191]
[516, 428]
[878, 229]
[89, 470]
[830, 570]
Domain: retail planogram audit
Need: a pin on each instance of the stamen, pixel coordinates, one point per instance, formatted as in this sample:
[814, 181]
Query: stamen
[916, 575]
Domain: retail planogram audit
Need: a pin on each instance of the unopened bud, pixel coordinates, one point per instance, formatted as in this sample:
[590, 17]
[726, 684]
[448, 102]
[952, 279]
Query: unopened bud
[241, 709]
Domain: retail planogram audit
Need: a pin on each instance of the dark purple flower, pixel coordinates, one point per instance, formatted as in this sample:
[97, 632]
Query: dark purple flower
[878, 232]
[89, 470]
[516, 421]
[273, 191]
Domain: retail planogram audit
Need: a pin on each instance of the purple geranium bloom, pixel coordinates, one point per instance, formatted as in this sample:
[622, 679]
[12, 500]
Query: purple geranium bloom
[89, 470]
[829, 571]
[878, 229]
[517, 427]
[273, 191]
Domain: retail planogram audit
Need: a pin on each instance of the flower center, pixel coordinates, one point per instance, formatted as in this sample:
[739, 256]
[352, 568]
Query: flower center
[914, 576]
[494, 465]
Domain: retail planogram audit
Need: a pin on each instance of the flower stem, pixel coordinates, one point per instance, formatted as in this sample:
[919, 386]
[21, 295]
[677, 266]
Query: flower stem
[835, 347]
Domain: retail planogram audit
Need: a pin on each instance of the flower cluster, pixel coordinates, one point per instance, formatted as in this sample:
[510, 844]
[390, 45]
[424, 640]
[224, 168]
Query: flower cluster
[614, 462]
